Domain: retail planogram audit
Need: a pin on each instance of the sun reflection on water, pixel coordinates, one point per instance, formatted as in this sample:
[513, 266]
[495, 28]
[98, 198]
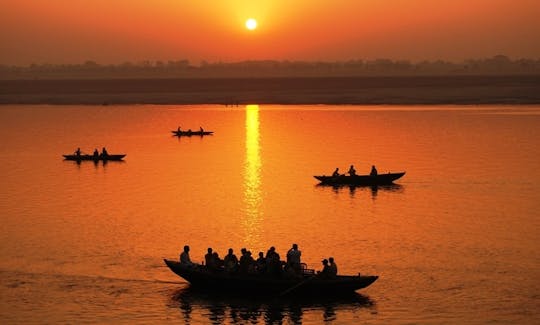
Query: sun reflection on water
[252, 178]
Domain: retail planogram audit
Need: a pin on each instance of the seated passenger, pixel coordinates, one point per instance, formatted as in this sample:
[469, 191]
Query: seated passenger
[184, 257]
[261, 263]
[78, 152]
[96, 154]
[201, 129]
[273, 261]
[104, 152]
[373, 171]
[325, 273]
[332, 267]
[230, 261]
[352, 171]
[335, 173]
[218, 262]
[247, 263]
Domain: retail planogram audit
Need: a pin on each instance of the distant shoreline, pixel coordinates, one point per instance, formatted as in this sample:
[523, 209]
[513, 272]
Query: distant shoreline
[420, 90]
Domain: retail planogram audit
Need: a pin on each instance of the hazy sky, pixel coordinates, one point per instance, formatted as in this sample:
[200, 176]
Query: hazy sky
[114, 31]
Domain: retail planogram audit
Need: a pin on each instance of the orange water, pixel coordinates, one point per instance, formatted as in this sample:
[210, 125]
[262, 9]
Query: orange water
[456, 241]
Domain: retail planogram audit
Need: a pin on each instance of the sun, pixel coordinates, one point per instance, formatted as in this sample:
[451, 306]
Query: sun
[251, 24]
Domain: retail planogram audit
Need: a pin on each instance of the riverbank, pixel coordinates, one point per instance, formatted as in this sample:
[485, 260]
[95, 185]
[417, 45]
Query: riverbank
[334, 90]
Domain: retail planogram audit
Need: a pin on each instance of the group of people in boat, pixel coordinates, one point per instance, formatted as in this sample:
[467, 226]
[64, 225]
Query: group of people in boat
[96, 153]
[270, 264]
[201, 130]
[352, 171]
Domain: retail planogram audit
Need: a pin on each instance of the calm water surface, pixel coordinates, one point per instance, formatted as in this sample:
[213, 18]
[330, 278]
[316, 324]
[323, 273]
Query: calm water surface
[456, 241]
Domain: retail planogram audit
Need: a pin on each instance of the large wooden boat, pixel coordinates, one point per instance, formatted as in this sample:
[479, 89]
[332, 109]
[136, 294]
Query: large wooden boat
[360, 180]
[191, 133]
[94, 158]
[262, 284]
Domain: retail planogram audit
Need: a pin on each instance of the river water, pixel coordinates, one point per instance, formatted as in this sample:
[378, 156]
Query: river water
[455, 241]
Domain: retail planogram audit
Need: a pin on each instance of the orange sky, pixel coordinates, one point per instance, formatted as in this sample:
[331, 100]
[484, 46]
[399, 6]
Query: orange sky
[114, 31]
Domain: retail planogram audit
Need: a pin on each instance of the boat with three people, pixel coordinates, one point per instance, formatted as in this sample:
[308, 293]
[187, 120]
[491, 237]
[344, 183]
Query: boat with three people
[360, 180]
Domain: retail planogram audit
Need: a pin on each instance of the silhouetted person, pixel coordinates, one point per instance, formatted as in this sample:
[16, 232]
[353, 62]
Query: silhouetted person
[230, 261]
[352, 171]
[218, 262]
[201, 129]
[335, 173]
[78, 152]
[332, 267]
[104, 152]
[293, 259]
[96, 154]
[373, 171]
[247, 263]
[273, 261]
[184, 257]
[325, 273]
[178, 130]
[209, 258]
[261, 263]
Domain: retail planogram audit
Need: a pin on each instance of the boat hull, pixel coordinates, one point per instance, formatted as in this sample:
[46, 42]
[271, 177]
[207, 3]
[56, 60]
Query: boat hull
[192, 133]
[360, 180]
[94, 158]
[219, 281]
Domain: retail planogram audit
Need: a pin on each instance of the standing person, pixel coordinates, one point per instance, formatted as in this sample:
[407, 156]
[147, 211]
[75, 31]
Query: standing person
[293, 259]
[352, 171]
[373, 171]
[209, 259]
[184, 257]
[332, 267]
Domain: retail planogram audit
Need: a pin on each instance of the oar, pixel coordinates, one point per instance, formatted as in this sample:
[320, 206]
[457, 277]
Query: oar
[296, 286]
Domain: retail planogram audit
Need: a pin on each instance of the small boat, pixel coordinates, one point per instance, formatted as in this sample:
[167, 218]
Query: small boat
[201, 277]
[94, 158]
[191, 133]
[360, 180]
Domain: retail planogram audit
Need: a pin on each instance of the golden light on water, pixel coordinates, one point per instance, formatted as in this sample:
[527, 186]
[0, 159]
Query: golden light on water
[252, 177]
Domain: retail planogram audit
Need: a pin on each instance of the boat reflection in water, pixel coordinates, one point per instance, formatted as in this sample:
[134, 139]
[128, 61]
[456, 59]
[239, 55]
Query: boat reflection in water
[199, 306]
[352, 189]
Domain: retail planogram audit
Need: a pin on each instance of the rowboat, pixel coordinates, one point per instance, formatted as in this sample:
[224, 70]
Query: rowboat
[94, 158]
[360, 180]
[191, 133]
[201, 277]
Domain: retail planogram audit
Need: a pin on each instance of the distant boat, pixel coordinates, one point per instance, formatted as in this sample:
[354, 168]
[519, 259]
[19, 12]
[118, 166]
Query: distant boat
[191, 133]
[309, 283]
[360, 180]
[75, 157]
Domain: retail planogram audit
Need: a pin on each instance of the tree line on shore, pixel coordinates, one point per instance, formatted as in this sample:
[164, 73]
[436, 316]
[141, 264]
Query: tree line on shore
[497, 65]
